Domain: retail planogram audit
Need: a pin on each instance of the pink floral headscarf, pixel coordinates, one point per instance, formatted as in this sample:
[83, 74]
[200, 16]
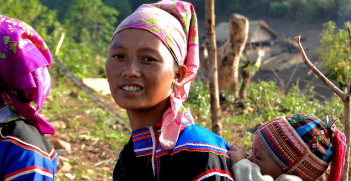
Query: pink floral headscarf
[175, 24]
[24, 77]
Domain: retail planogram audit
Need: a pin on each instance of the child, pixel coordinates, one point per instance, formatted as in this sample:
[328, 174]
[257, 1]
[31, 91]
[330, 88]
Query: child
[25, 153]
[296, 147]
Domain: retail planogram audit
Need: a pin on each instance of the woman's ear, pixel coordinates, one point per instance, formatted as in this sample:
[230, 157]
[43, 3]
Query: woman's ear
[179, 75]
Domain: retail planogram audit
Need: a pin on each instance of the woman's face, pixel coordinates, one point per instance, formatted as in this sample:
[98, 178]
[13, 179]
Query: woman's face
[140, 70]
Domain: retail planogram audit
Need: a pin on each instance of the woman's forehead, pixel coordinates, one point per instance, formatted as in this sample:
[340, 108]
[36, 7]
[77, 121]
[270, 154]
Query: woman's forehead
[141, 41]
[135, 37]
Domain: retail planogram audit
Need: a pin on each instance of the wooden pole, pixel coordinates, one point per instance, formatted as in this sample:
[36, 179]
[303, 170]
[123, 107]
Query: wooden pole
[212, 64]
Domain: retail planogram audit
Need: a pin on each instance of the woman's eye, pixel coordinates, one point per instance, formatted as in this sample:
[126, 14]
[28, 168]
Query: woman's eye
[118, 56]
[149, 59]
[258, 158]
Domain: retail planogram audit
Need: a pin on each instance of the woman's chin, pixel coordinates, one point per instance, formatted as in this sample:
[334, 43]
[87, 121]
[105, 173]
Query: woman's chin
[130, 105]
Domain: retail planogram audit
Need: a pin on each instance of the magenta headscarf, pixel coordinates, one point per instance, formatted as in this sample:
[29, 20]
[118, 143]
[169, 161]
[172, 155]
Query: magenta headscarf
[24, 58]
[175, 24]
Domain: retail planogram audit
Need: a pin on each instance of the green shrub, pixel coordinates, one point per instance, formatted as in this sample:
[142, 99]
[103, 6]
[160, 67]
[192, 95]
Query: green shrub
[266, 100]
[335, 52]
[278, 9]
[199, 103]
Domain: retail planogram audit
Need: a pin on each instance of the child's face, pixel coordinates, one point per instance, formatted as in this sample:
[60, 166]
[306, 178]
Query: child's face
[140, 70]
[261, 158]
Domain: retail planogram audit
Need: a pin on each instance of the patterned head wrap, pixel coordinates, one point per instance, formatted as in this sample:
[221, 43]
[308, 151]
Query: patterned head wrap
[301, 144]
[175, 24]
[24, 80]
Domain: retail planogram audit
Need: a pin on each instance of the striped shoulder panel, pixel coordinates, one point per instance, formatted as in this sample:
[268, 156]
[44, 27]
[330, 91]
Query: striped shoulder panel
[142, 142]
[198, 139]
[214, 172]
[30, 170]
[28, 146]
[53, 154]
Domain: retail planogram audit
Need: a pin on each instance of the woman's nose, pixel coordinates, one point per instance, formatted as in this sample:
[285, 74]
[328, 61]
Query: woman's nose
[131, 69]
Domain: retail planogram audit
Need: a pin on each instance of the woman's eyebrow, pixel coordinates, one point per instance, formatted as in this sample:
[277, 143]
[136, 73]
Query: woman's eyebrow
[146, 48]
[149, 49]
[117, 45]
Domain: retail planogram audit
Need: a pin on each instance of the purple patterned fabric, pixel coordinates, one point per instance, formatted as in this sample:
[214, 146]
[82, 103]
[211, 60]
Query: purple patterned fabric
[24, 80]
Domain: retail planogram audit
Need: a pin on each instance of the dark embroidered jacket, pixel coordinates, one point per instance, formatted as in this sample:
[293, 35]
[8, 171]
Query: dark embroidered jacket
[25, 153]
[198, 155]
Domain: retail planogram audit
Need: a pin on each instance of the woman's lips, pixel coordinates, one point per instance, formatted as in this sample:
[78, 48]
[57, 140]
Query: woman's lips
[132, 88]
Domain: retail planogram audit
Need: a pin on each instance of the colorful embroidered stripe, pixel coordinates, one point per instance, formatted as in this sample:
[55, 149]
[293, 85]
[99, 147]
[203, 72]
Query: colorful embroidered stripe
[24, 145]
[160, 153]
[28, 170]
[283, 143]
[143, 154]
[304, 129]
[143, 151]
[213, 172]
[140, 132]
[142, 138]
[273, 149]
[303, 175]
[53, 154]
[310, 171]
[200, 147]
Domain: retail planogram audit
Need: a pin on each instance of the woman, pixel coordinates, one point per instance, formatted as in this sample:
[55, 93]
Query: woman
[153, 57]
[25, 153]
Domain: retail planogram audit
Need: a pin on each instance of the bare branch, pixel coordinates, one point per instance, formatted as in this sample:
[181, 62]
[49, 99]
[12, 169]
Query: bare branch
[281, 81]
[309, 64]
[292, 75]
[313, 83]
[261, 53]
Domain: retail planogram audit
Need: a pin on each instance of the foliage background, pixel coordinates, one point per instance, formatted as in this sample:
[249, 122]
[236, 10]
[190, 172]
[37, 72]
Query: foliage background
[89, 24]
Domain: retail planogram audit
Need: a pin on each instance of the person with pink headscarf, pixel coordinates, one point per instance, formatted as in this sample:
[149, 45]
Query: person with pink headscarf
[154, 55]
[25, 153]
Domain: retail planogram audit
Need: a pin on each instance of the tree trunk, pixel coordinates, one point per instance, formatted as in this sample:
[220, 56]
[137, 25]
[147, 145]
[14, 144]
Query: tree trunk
[246, 73]
[229, 54]
[212, 63]
[347, 110]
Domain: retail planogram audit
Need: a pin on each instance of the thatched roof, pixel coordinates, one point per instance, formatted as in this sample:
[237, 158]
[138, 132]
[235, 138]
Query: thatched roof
[256, 25]
[222, 30]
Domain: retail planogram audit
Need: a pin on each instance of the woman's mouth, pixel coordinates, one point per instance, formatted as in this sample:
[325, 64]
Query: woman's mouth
[131, 88]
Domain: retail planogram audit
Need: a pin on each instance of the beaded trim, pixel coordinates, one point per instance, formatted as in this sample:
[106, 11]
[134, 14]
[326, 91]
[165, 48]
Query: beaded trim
[7, 115]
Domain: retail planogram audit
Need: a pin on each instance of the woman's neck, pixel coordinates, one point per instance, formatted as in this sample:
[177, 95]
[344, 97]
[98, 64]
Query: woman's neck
[2, 103]
[148, 117]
